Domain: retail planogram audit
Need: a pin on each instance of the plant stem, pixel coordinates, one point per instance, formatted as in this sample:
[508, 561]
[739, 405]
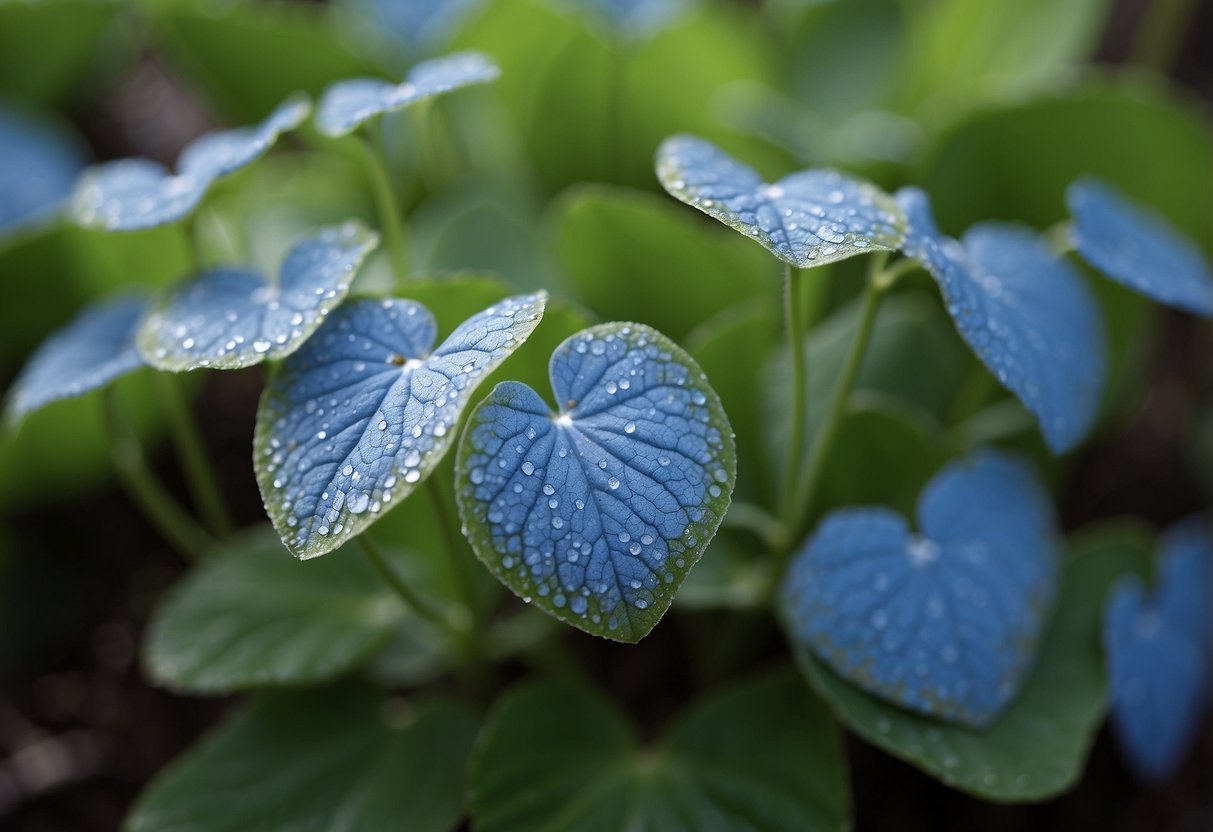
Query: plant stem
[390, 223]
[172, 521]
[411, 599]
[455, 553]
[1161, 33]
[200, 476]
[795, 331]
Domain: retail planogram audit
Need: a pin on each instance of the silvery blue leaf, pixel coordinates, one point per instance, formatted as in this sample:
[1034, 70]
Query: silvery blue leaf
[944, 621]
[227, 318]
[597, 512]
[132, 194]
[1160, 653]
[807, 219]
[1138, 248]
[1024, 311]
[366, 409]
[346, 105]
[38, 165]
[90, 352]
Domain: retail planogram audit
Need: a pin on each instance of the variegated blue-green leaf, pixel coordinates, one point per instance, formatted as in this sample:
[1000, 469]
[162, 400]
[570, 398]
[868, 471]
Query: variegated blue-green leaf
[1138, 248]
[38, 166]
[806, 219]
[1024, 311]
[90, 352]
[944, 622]
[347, 104]
[227, 318]
[1160, 653]
[131, 194]
[597, 512]
[366, 409]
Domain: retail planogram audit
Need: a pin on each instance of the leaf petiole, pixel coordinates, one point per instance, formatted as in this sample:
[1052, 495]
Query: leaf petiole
[161, 510]
[200, 475]
[452, 625]
[391, 224]
[800, 379]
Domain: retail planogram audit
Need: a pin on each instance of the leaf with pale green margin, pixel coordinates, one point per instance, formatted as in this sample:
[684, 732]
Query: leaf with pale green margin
[228, 318]
[315, 761]
[674, 273]
[364, 411]
[1038, 747]
[806, 219]
[251, 616]
[558, 757]
[597, 512]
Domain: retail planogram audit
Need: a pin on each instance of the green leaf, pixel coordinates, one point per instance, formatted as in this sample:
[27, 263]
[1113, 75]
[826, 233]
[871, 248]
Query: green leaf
[673, 273]
[1038, 747]
[247, 58]
[251, 615]
[317, 761]
[558, 756]
[46, 49]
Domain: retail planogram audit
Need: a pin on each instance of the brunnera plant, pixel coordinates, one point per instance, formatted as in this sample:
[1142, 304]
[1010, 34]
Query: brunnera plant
[965, 641]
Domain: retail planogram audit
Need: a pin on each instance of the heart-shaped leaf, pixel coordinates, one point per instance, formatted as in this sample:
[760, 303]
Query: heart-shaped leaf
[219, 630]
[761, 755]
[598, 512]
[346, 105]
[1160, 653]
[362, 413]
[807, 219]
[131, 194]
[1138, 248]
[315, 761]
[227, 318]
[1024, 311]
[944, 622]
[1037, 748]
[38, 166]
[90, 352]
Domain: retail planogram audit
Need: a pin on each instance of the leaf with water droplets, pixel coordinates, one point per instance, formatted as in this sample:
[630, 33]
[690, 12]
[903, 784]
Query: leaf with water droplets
[1160, 653]
[90, 352]
[131, 194]
[807, 219]
[227, 318]
[944, 622]
[346, 105]
[1024, 311]
[1139, 248]
[38, 166]
[364, 411]
[1037, 748]
[598, 512]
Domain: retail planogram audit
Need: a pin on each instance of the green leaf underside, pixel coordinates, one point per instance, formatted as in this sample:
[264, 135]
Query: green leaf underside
[763, 755]
[317, 761]
[253, 616]
[1037, 749]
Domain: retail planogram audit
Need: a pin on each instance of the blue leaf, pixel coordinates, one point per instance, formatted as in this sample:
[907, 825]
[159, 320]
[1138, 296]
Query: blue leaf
[1024, 311]
[1160, 653]
[38, 165]
[364, 411]
[1139, 248]
[229, 318]
[90, 352]
[347, 104]
[131, 194]
[944, 622]
[598, 512]
[807, 219]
